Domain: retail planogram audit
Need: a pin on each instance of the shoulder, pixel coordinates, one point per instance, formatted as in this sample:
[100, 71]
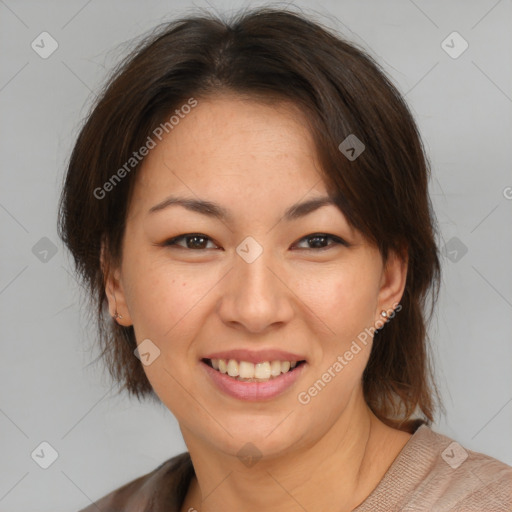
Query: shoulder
[160, 489]
[455, 478]
[434, 472]
[467, 480]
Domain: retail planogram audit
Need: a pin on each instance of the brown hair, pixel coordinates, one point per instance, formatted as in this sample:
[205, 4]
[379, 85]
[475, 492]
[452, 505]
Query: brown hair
[276, 55]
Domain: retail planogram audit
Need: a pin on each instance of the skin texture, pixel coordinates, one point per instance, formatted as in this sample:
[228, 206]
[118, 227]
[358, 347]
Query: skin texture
[256, 160]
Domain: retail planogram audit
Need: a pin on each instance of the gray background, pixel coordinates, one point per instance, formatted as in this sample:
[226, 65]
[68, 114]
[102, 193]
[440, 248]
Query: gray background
[48, 393]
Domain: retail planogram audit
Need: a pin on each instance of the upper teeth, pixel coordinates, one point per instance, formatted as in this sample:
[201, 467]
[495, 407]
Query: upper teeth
[246, 370]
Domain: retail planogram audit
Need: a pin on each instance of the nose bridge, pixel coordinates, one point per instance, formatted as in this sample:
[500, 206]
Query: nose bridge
[252, 265]
[256, 297]
[255, 276]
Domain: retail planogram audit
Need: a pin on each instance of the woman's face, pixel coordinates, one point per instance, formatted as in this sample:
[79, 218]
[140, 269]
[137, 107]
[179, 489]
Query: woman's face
[254, 280]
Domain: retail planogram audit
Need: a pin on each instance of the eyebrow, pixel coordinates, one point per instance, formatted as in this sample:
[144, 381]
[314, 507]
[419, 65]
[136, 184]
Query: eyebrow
[212, 209]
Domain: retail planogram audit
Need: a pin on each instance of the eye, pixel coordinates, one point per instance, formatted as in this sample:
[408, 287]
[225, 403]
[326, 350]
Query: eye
[199, 241]
[318, 241]
[192, 241]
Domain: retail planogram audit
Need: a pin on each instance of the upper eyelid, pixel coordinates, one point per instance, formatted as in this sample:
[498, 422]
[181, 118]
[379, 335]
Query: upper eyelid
[337, 239]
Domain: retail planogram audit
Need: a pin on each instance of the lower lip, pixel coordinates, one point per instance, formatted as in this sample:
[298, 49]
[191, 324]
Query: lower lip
[253, 391]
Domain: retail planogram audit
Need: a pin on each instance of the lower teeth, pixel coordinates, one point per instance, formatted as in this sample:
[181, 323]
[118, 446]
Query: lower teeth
[254, 380]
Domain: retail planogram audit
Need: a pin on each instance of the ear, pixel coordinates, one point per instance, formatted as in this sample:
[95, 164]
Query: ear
[114, 290]
[392, 285]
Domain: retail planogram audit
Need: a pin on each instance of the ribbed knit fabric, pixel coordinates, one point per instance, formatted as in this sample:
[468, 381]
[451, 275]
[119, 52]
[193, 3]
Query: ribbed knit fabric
[432, 473]
[436, 474]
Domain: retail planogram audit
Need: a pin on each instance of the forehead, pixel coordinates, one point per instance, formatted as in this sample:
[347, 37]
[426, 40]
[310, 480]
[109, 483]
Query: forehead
[228, 148]
[227, 140]
[224, 118]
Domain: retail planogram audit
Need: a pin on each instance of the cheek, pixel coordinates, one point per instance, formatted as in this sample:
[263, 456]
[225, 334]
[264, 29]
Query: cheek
[342, 296]
[344, 299]
[162, 298]
[164, 301]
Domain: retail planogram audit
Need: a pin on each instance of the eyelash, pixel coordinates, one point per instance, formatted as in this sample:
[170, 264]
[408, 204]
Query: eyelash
[337, 241]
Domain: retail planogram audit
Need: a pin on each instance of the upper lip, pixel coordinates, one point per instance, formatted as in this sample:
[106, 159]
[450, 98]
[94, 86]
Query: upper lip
[255, 356]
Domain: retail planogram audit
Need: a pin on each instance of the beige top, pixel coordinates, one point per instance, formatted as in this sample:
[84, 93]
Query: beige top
[432, 473]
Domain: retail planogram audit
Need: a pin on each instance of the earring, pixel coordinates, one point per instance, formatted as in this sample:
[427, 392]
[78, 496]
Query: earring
[116, 314]
[383, 313]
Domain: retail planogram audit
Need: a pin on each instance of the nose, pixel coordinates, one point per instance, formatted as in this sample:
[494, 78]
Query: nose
[256, 295]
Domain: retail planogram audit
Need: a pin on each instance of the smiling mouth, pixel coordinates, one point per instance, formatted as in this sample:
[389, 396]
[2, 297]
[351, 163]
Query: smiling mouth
[244, 371]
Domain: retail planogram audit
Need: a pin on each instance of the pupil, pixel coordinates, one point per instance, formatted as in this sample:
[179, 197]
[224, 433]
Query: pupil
[194, 244]
[315, 239]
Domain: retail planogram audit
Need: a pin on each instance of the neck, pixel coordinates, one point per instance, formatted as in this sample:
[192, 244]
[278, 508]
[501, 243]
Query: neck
[339, 470]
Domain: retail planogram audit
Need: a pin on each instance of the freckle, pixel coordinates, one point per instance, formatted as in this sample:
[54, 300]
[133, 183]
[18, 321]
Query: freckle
[184, 284]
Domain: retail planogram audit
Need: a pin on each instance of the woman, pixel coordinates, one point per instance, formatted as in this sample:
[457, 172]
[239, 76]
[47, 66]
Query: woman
[250, 201]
